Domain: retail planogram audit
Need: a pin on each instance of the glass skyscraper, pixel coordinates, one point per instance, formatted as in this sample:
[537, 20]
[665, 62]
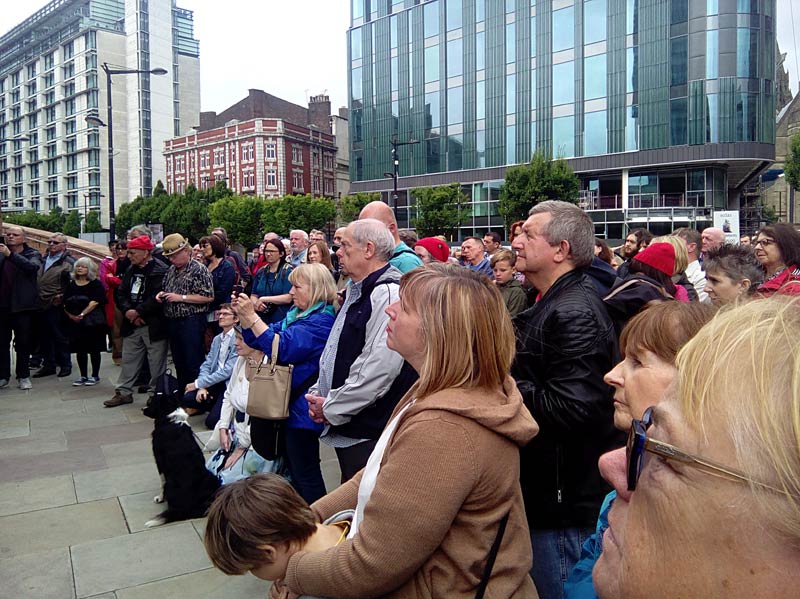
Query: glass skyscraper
[665, 108]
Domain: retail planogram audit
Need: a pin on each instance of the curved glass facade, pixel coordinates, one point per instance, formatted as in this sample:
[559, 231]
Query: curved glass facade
[485, 83]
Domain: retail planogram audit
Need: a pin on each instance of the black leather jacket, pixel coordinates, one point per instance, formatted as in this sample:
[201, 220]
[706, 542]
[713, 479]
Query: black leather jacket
[565, 344]
[149, 309]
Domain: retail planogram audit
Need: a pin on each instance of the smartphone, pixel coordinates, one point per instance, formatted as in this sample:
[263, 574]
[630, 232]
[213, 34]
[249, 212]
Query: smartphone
[237, 289]
[3, 239]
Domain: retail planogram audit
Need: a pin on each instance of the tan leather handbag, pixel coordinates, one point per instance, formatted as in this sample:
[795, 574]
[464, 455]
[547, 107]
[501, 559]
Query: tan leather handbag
[270, 387]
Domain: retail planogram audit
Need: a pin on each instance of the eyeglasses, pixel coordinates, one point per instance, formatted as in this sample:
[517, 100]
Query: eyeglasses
[205, 245]
[639, 443]
[230, 314]
[271, 252]
[54, 242]
[764, 243]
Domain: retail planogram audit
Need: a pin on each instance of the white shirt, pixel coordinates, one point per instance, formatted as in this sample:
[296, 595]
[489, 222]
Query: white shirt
[696, 276]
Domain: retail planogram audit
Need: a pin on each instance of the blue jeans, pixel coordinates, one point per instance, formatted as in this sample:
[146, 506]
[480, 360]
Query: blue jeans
[555, 552]
[302, 455]
[186, 344]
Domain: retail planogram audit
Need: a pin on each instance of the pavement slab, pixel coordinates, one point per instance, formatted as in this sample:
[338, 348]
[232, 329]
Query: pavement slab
[76, 422]
[136, 559]
[25, 577]
[11, 429]
[50, 464]
[139, 508]
[129, 452]
[32, 532]
[205, 584]
[106, 435]
[36, 494]
[122, 480]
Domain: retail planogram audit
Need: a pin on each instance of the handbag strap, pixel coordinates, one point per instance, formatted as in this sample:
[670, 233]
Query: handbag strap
[276, 340]
[487, 571]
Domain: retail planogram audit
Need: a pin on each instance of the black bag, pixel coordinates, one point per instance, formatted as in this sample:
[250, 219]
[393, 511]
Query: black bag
[168, 386]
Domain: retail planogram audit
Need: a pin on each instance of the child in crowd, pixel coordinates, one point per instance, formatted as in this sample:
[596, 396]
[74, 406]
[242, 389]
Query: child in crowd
[503, 266]
[256, 524]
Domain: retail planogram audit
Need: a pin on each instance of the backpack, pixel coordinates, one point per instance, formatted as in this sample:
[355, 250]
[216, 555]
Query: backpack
[628, 296]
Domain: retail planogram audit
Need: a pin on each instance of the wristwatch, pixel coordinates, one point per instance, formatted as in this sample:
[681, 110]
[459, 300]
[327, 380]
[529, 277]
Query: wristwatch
[183, 298]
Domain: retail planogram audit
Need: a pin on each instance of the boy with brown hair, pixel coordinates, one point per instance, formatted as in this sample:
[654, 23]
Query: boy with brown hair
[255, 525]
[504, 268]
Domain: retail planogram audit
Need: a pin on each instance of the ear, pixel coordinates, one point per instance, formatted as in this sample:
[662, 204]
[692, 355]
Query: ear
[369, 249]
[269, 552]
[562, 252]
[744, 286]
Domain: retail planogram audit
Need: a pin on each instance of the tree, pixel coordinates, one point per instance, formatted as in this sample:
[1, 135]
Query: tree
[240, 216]
[297, 212]
[440, 210]
[72, 226]
[187, 215]
[528, 184]
[92, 222]
[350, 206]
[791, 167]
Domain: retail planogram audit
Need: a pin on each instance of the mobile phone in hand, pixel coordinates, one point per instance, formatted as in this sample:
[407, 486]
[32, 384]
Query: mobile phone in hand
[3, 239]
[237, 289]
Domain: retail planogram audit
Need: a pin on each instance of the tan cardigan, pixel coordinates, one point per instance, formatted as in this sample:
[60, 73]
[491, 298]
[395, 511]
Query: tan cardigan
[448, 476]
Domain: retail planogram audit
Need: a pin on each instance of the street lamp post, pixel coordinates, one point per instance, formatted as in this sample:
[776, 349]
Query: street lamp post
[2, 141]
[396, 166]
[93, 120]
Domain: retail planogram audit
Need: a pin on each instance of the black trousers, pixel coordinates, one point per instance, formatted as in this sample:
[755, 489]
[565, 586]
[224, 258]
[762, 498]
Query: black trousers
[354, 458]
[20, 324]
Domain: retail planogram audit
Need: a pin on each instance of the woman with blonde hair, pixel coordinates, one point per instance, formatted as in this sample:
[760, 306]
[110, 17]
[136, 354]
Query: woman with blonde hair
[708, 489]
[442, 485]
[84, 299]
[302, 337]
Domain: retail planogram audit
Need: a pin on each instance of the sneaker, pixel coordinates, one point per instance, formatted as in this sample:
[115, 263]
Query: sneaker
[92, 380]
[79, 382]
[44, 371]
[118, 400]
[3, 383]
[64, 372]
[25, 384]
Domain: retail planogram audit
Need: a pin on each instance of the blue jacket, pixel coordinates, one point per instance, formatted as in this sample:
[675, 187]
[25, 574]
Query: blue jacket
[301, 344]
[579, 584]
[210, 374]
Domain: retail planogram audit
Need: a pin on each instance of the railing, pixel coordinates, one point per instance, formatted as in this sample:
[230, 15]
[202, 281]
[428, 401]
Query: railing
[78, 248]
[691, 199]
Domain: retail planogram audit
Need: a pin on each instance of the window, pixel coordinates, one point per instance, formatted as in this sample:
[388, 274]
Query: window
[454, 17]
[511, 94]
[564, 137]
[455, 57]
[564, 92]
[297, 181]
[432, 64]
[455, 105]
[69, 50]
[272, 179]
[432, 114]
[712, 54]
[431, 18]
[678, 122]
[595, 133]
[594, 77]
[511, 43]
[678, 54]
[49, 61]
[297, 154]
[594, 19]
[746, 53]
[563, 29]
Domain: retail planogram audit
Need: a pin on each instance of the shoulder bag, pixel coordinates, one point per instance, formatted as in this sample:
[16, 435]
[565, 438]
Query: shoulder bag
[270, 387]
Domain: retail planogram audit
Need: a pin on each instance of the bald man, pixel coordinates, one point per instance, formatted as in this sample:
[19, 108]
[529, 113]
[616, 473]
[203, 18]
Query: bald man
[713, 238]
[404, 258]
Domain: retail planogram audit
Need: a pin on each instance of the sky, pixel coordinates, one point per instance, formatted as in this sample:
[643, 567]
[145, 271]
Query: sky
[294, 49]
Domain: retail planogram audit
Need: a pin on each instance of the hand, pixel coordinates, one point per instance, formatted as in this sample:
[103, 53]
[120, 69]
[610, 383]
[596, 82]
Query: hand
[5, 250]
[189, 388]
[202, 395]
[58, 299]
[139, 322]
[131, 315]
[225, 439]
[315, 403]
[244, 310]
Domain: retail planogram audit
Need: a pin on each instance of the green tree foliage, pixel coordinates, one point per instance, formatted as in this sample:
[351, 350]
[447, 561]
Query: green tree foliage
[92, 222]
[186, 214]
[350, 206]
[791, 167]
[72, 226]
[35, 220]
[240, 216]
[528, 184]
[297, 212]
[440, 210]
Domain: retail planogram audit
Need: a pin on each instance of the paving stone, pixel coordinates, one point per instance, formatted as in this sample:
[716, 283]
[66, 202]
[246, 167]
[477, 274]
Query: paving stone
[32, 532]
[33, 445]
[139, 508]
[133, 414]
[111, 482]
[36, 494]
[76, 422]
[135, 559]
[50, 464]
[206, 584]
[107, 435]
[12, 429]
[25, 576]
[200, 527]
[131, 452]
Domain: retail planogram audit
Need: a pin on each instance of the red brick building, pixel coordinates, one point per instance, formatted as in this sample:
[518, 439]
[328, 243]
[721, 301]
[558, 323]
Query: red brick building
[263, 157]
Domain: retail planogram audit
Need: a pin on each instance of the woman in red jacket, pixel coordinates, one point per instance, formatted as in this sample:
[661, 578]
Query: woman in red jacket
[778, 249]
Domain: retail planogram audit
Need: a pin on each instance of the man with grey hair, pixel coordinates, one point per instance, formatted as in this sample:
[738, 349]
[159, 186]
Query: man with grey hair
[565, 345]
[360, 379]
[298, 244]
[694, 271]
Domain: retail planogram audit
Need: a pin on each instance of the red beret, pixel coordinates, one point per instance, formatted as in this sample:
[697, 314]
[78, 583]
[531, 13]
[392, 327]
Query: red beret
[436, 248]
[141, 243]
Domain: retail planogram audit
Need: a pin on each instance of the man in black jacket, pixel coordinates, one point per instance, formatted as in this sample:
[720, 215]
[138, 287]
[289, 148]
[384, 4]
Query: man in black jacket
[565, 344]
[19, 296]
[144, 330]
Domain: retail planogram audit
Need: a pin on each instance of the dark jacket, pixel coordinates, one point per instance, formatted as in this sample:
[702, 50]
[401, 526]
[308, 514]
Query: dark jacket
[25, 293]
[565, 344]
[603, 275]
[148, 308]
[54, 280]
[369, 422]
[629, 296]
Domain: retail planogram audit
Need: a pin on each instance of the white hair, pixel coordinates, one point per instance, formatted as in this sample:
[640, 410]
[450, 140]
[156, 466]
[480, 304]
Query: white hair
[91, 267]
[370, 229]
[302, 233]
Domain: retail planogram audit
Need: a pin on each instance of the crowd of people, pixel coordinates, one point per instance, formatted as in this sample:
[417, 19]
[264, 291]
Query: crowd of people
[478, 399]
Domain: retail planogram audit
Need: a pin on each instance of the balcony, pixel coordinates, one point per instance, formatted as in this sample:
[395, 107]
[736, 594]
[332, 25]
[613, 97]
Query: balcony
[691, 199]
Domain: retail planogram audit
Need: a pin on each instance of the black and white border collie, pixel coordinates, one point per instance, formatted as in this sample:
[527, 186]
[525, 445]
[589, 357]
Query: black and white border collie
[187, 486]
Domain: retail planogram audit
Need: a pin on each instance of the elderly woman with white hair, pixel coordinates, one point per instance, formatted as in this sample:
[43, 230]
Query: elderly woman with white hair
[83, 307]
[708, 489]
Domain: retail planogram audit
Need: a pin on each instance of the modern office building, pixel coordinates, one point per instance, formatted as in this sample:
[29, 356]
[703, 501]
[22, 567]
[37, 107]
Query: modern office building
[51, 79]
[665, 108]
[262, 146]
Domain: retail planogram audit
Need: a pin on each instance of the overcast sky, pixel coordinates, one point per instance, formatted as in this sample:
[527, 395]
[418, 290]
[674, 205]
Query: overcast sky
[294, 49]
